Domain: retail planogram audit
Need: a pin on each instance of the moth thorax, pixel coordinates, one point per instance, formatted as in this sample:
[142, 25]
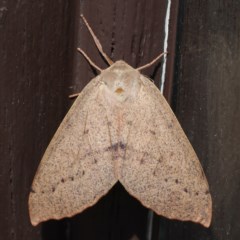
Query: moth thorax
[121, 81]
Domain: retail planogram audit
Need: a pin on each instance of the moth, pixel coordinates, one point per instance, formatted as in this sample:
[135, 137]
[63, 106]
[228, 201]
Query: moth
[120, 128]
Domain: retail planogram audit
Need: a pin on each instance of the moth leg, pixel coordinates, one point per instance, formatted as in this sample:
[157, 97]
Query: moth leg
[97, 42]
[152, 62]
[73, 95]
[91, 63]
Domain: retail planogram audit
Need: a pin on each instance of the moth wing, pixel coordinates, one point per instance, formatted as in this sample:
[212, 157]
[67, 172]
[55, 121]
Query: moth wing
[75, 171]
[160, 167]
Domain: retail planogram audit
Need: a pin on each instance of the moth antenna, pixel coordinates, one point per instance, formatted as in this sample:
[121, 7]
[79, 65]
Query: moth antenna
[97, 42]
[152, 62]
[89, 60]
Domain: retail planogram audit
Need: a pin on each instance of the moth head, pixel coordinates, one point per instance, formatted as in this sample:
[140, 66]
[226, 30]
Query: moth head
[121, 81]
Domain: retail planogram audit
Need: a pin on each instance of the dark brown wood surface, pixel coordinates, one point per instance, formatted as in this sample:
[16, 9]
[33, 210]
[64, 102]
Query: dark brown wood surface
[207, 103]
[40, 67]
[34, 37]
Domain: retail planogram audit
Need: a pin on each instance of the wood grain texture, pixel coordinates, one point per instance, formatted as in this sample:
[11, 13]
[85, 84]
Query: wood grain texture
[207, 105]
[38, 72]
[34, 39]
[35, 85]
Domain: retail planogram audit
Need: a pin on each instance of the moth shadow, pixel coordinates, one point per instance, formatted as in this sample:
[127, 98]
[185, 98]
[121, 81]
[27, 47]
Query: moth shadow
[116, 216]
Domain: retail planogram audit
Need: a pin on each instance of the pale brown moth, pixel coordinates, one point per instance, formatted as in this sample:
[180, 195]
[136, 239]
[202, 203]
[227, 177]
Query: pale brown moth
[120, 128]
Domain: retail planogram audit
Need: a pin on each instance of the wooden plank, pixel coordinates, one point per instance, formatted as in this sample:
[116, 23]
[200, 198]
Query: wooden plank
[207, 104]
[40, 68]
[33, 94]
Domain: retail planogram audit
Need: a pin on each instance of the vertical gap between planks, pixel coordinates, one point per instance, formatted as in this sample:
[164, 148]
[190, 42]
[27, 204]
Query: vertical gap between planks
[165, 46]
[164, 66]
[149, 225]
